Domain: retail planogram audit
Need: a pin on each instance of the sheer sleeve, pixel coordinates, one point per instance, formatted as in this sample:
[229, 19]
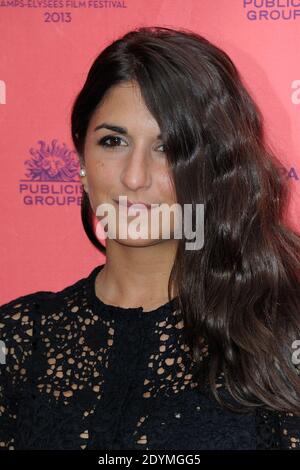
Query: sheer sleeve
[289, 425]
[16, 341]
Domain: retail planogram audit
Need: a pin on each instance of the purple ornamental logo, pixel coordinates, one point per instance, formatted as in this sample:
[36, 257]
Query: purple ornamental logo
[52, 163]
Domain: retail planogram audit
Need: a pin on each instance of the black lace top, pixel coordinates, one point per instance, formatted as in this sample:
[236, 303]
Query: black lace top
[81, 374]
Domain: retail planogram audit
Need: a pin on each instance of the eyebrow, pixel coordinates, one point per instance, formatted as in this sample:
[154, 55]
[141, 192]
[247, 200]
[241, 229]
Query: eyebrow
[114, 128]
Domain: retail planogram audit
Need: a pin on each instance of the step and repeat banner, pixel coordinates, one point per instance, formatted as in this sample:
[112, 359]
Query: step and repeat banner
[47, 48]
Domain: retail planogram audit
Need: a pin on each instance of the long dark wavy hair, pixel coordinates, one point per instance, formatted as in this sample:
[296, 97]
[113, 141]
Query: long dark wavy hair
[240, 293]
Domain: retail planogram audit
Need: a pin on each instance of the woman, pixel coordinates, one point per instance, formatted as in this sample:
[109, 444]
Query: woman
[164, 347]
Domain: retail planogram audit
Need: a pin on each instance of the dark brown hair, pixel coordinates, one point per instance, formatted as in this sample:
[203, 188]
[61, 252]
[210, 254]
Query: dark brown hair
[240, 293]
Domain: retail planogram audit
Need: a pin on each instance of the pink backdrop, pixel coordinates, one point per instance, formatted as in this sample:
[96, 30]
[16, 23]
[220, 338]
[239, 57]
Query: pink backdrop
[46, 51]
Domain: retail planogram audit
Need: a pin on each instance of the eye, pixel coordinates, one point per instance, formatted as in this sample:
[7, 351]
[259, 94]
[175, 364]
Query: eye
[162, 145]
[104, 140]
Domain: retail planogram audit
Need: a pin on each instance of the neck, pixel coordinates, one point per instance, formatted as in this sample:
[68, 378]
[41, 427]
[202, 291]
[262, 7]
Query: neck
[136, 276]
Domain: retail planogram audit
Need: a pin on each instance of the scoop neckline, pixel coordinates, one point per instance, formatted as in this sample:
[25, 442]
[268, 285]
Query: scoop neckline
[123, 312]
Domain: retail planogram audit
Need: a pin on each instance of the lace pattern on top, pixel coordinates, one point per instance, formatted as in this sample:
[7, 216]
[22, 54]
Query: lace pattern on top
[83, 374]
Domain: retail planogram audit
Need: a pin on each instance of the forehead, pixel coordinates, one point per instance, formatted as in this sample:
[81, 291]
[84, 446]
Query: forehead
[123, 105]
[124, 91]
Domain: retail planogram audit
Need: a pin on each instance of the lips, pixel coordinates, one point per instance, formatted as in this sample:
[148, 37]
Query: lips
[127, 203]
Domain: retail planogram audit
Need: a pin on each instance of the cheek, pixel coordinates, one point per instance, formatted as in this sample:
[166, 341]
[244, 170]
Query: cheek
[101, 180]
[102, 176]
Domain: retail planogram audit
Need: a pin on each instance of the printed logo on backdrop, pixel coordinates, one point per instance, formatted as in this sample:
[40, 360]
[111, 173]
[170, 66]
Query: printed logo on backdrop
[290, 173]
[271, 10]
[63, 11]
[52, 174]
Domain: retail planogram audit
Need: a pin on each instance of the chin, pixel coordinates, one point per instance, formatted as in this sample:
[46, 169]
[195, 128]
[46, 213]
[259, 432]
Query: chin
[137, 243]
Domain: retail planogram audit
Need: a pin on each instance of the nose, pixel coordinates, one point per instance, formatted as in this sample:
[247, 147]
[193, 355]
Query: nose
[136, 173]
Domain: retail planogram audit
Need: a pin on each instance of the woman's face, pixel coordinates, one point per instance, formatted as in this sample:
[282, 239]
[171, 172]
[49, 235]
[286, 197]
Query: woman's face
[131, 164]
